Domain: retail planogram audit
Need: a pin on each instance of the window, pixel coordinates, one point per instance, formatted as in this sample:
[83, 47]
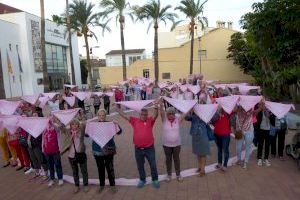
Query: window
[202, 53]
[146, 73]
[56, 59]
[166, 75]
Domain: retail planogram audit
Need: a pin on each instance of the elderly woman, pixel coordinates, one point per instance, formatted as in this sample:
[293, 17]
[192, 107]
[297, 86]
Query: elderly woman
[104, 157]
[171, 140]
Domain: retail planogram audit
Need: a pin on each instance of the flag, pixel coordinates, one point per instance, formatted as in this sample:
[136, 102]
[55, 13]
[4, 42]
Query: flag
[9, 65]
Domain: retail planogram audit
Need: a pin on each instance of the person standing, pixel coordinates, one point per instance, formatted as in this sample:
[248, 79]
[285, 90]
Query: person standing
[144, 143]
[278, 138]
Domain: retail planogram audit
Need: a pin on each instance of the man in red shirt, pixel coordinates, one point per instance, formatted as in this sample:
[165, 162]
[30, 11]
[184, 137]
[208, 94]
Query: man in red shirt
[144, 143]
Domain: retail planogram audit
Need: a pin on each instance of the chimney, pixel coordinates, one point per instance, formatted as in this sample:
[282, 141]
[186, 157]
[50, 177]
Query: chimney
[220, 24]
[229, 25]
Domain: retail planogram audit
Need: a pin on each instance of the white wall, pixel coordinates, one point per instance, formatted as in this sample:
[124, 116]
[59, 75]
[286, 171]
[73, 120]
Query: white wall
[116, 60]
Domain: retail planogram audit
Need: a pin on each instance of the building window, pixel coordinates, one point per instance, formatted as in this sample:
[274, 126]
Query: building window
[202, 53]
[56, 58]
[146, 73]
[166, 75]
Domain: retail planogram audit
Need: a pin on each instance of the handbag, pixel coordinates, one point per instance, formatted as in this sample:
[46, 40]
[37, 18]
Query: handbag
[238, 135]
[79, 157]
[210, 134]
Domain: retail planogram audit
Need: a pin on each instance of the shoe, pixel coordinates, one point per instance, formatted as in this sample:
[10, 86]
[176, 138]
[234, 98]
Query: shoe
[223, 169]
[28, 171]
[60, 182]
[179, 178]
[86, 189]
[156, 184]
[141, 184]
[168, 178]
[19, 168]
[14, 165]
[5, 165]
[239, 162]
[245, 165]
[267, 163]
[113, 189]
[101, 189]
[259, 162]
[218, 166]
[76, 190]
[51, 183]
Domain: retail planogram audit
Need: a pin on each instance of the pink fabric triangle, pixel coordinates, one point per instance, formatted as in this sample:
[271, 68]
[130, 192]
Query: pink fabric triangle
[162, 85]
[223, 86]
[279, 109]
[101, 132]
[43, 101]
[248, 102]
[206, 111]
[194, 88]
[110, 94]
[10, 123]
[99, 94]
[66, 116]
[228, 103]
[183, 88]
[35, 126]
[182, 105]
[82, 95]
[9, 107]
[70, 100]
[51, 95]
[135, 105]
[244, 89]
[70, 86]
[32, 99]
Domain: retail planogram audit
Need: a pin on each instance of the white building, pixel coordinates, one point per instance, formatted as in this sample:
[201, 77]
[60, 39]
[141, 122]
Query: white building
[114, 57]
[20, 44]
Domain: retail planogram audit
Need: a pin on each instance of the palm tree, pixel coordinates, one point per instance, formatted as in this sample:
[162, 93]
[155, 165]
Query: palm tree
[70, 43]
[193, 10]
[119, 7]
[43, 48]
[82, 17]
[154, 12]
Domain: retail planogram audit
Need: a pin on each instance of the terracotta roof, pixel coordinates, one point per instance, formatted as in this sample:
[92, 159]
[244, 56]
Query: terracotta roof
[8, 9]
[127, 51]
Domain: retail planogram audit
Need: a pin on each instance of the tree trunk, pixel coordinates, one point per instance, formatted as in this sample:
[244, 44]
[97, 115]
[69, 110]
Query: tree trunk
[192, 25]
[88, 61]
[2, 90]
[156, 67]
[43, 48]
[70, 44]
[122, 20]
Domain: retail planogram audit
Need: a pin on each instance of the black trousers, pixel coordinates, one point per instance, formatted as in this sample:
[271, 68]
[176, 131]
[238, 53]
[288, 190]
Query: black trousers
[83, 167]
[106, 107]
[279, 139]
[263, 140]
[108, 163]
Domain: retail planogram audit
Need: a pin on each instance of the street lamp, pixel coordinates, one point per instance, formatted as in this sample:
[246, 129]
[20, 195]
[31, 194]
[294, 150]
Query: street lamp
[91, 49]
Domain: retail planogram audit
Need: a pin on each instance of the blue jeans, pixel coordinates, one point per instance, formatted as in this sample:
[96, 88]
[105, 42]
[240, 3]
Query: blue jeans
[53, 160]
[223, 146]
[149, 154]
[248, 138]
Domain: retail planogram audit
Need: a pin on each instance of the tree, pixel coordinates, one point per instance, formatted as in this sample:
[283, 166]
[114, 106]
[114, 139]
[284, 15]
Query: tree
[43, 48]
[82, 18]
[154, 12]
[84, 71]
[118, 7]
[193, 10]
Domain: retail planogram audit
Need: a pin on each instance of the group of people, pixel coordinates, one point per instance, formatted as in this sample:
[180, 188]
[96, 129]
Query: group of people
[42, 155]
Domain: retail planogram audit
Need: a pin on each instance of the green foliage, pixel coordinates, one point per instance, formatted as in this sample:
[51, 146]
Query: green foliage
[84, 71]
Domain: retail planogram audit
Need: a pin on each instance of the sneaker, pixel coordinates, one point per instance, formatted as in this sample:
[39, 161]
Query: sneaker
[28, 171]
[101, 189]
[76, 190]
[6, 165]
[179, 178]
[113, 189]
[86, 189]
[267, 163]
[51, 183]
[156, 184]
[223, 169]
[259, 162]
[141, 184]
[245, 165]
[168, 178]
[60, 182]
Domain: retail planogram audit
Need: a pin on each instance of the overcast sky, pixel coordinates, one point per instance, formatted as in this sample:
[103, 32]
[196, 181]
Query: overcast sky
[136, 35]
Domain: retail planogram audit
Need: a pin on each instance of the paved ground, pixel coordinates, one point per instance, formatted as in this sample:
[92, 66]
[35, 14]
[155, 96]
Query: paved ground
[280, 181]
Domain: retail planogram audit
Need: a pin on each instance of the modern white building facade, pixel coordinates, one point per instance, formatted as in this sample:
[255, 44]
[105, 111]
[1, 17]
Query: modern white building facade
[20, 48]
[114, 57]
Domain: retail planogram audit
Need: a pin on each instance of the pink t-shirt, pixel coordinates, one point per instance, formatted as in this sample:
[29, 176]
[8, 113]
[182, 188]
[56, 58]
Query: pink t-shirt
[142, 132]
[170, 133]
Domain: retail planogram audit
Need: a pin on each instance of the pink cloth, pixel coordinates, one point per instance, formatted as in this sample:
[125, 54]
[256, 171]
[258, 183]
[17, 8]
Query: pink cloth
[170, 133]
[10, 122]
[206, 111]
[51, 95]
[101, 132]
[228, 103]
[135, 105]
[195, 89]
[8, 107]
[32, 99]
[183, 88]
[82, 95]
[248, 102]
[70, 100]
[66, 116]
[35, 126]
[162, 85]
[110, 94]
[279, 109]
[188, 95]
[182, 105]
[43, 101]
[99, 94]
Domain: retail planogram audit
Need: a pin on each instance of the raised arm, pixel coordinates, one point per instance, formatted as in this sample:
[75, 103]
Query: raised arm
[121, 113]
[162, 111]
[156, 109]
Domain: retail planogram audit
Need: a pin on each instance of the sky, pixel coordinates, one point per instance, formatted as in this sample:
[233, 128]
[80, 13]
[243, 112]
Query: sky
[136, 35]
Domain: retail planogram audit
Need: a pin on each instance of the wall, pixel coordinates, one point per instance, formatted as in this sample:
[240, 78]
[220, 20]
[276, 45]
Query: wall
[116, 60]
